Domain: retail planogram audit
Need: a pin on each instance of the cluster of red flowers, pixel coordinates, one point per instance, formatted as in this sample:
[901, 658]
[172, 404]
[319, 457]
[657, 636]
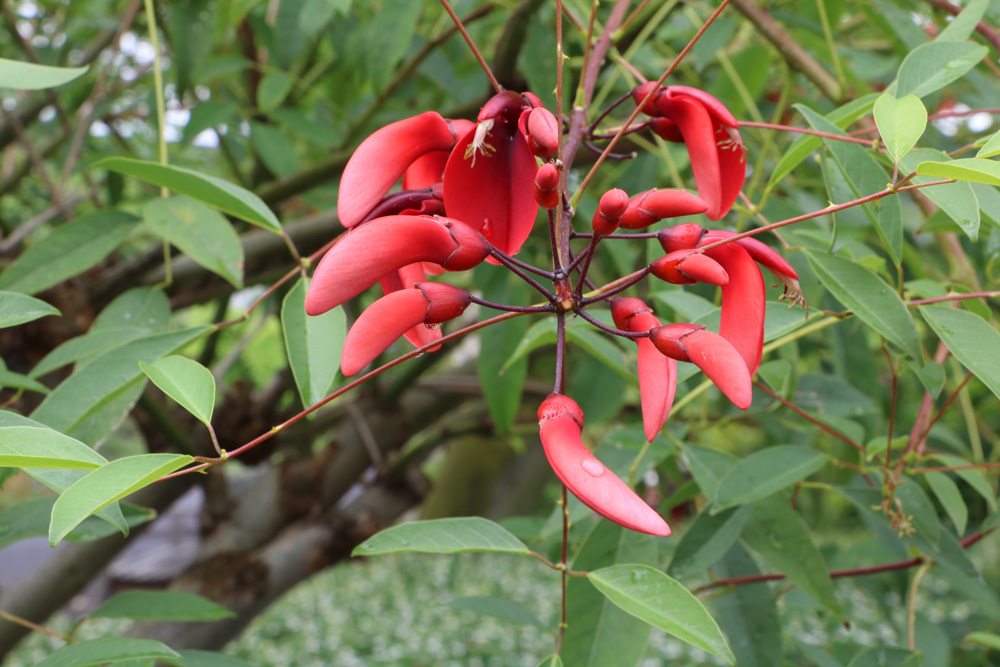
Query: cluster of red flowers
[471, 193]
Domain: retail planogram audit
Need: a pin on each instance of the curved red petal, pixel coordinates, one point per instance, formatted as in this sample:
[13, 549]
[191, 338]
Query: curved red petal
[560, 421]
[722, 363]
[760, 251]
[408, 276]
[716, 108]
[684, 267]
[379, 161]
[695, 125]
[379, 325]
[384, 245]
[493, 192]
[743, 301]
[732, 167]
[654, 205]
[425, 171]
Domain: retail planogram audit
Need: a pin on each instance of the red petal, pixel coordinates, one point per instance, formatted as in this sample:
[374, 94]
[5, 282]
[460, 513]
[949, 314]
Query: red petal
[383, 157]
[743, 302]
[425, 171]
[560, 421]
[683, 267]
[695, 124]
[379, 325]
[732, 166]
[408, 276]
[722, 363]
[384, 245]
[761, 253]
[653, 205]
[718, 110]
[495, 194]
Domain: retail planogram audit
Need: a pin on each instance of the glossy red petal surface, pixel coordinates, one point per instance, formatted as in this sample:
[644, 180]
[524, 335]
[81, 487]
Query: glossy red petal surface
[560, 422]
[722, 363]
[743, 302]
[382, 158]
[426, 170]
[760, 251]
[380, 325]
[419, 334]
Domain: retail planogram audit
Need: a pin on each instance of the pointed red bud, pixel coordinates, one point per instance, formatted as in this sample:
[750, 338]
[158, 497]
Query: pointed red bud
[383, 157]
[653, 205]
[381, 323]
[684, 267]
[713, 354]
[541, 129]
[381, 246]
[560, 421]
[680, 237]
[547, 186]
[609, 211]
[639, 94]
[743, 302]
[657, 373]
[761, 253]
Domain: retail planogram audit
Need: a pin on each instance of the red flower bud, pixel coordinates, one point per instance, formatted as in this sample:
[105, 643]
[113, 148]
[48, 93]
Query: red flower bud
[381, 246]
[657, 373]
[609, 211]
[560, 421]
[760, 251]
[547, 186]
[639, 94]
[666, 129]
[684, 267]
[381, 159]
[743, 301]
[541, 129]
[713, 354]
[680, 237]
[654, 205]
[388, 318]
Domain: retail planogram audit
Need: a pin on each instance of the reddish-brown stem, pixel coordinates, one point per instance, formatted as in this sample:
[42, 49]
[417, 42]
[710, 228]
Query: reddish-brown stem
[652, 91]
[547, 308]
[955, 297]
[560, 381]
[894, 393]
[826, 428]
[34, 627]
[971, 466]
[504, 259]
[343, 390]
[945, 406]
[611, 330]
[834, 574]
[472, 46]
[803, 130]
[923, 415]
[616, 286]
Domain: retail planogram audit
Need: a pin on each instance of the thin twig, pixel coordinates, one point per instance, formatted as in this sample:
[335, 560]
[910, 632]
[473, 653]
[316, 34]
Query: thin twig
[472, 46]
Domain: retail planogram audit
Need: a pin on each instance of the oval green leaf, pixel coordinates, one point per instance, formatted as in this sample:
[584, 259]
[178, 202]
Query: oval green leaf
[17, 75]
[870, 298]
[972, 169]
[950, 497]
[957, 200]
[161, 606]
[933, 66]
[110, 650]
[971, 339]
[186, 381]
[664, 603]
[991, 148]
[314, 344]
[901, 122]
[443, 536]
[707, 540]
[20, 308]
[223, 195]
[886, 657]
[35, 447]
[200, 232]
[765, 472]
[109, 483]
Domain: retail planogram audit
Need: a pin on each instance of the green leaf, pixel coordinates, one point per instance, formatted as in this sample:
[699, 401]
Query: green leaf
[34, 447]
[273, 90]
[161, 606]
[501, 609]
[17, 75]
[708, 466]
[31, 519]
[933, 66]
[957, 200]
[200, 232]
[973, 477]
[987, 639]
[109, 483]
[664, 603]
[19, 308]
[186, 381]
[11, 380]
[901, 122]
[970, 338]
[275, 149]
[991, 148]
[313, 344]
[443, 536]
[69, 250]
[83, 394]
[579, 333]
[918, 506]
[110, 650]
[707, 540]
[210, 190]
[971, 169]
[601, 633]
[870, 298]
[886, 657]
[962, 26]
[778, 534]
[806, 144]
[196, 658]
[864, 175]
[551, 661]
[748, 614]
[950, 498]
[765, 472]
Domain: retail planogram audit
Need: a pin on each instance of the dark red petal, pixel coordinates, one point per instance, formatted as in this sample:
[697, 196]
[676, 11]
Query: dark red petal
[425, 171]
[542, 132]
[718, 110]
[666, 129]
[639, 94]
[408, 276]
[654, 205]
[384, 245]
[383, 157]
[680, 237]
[683, 267]
[710, 352]
[732, 166]
[698, 130]
[560, 421]
[378, 327]
[494, 195]
[743, 301]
